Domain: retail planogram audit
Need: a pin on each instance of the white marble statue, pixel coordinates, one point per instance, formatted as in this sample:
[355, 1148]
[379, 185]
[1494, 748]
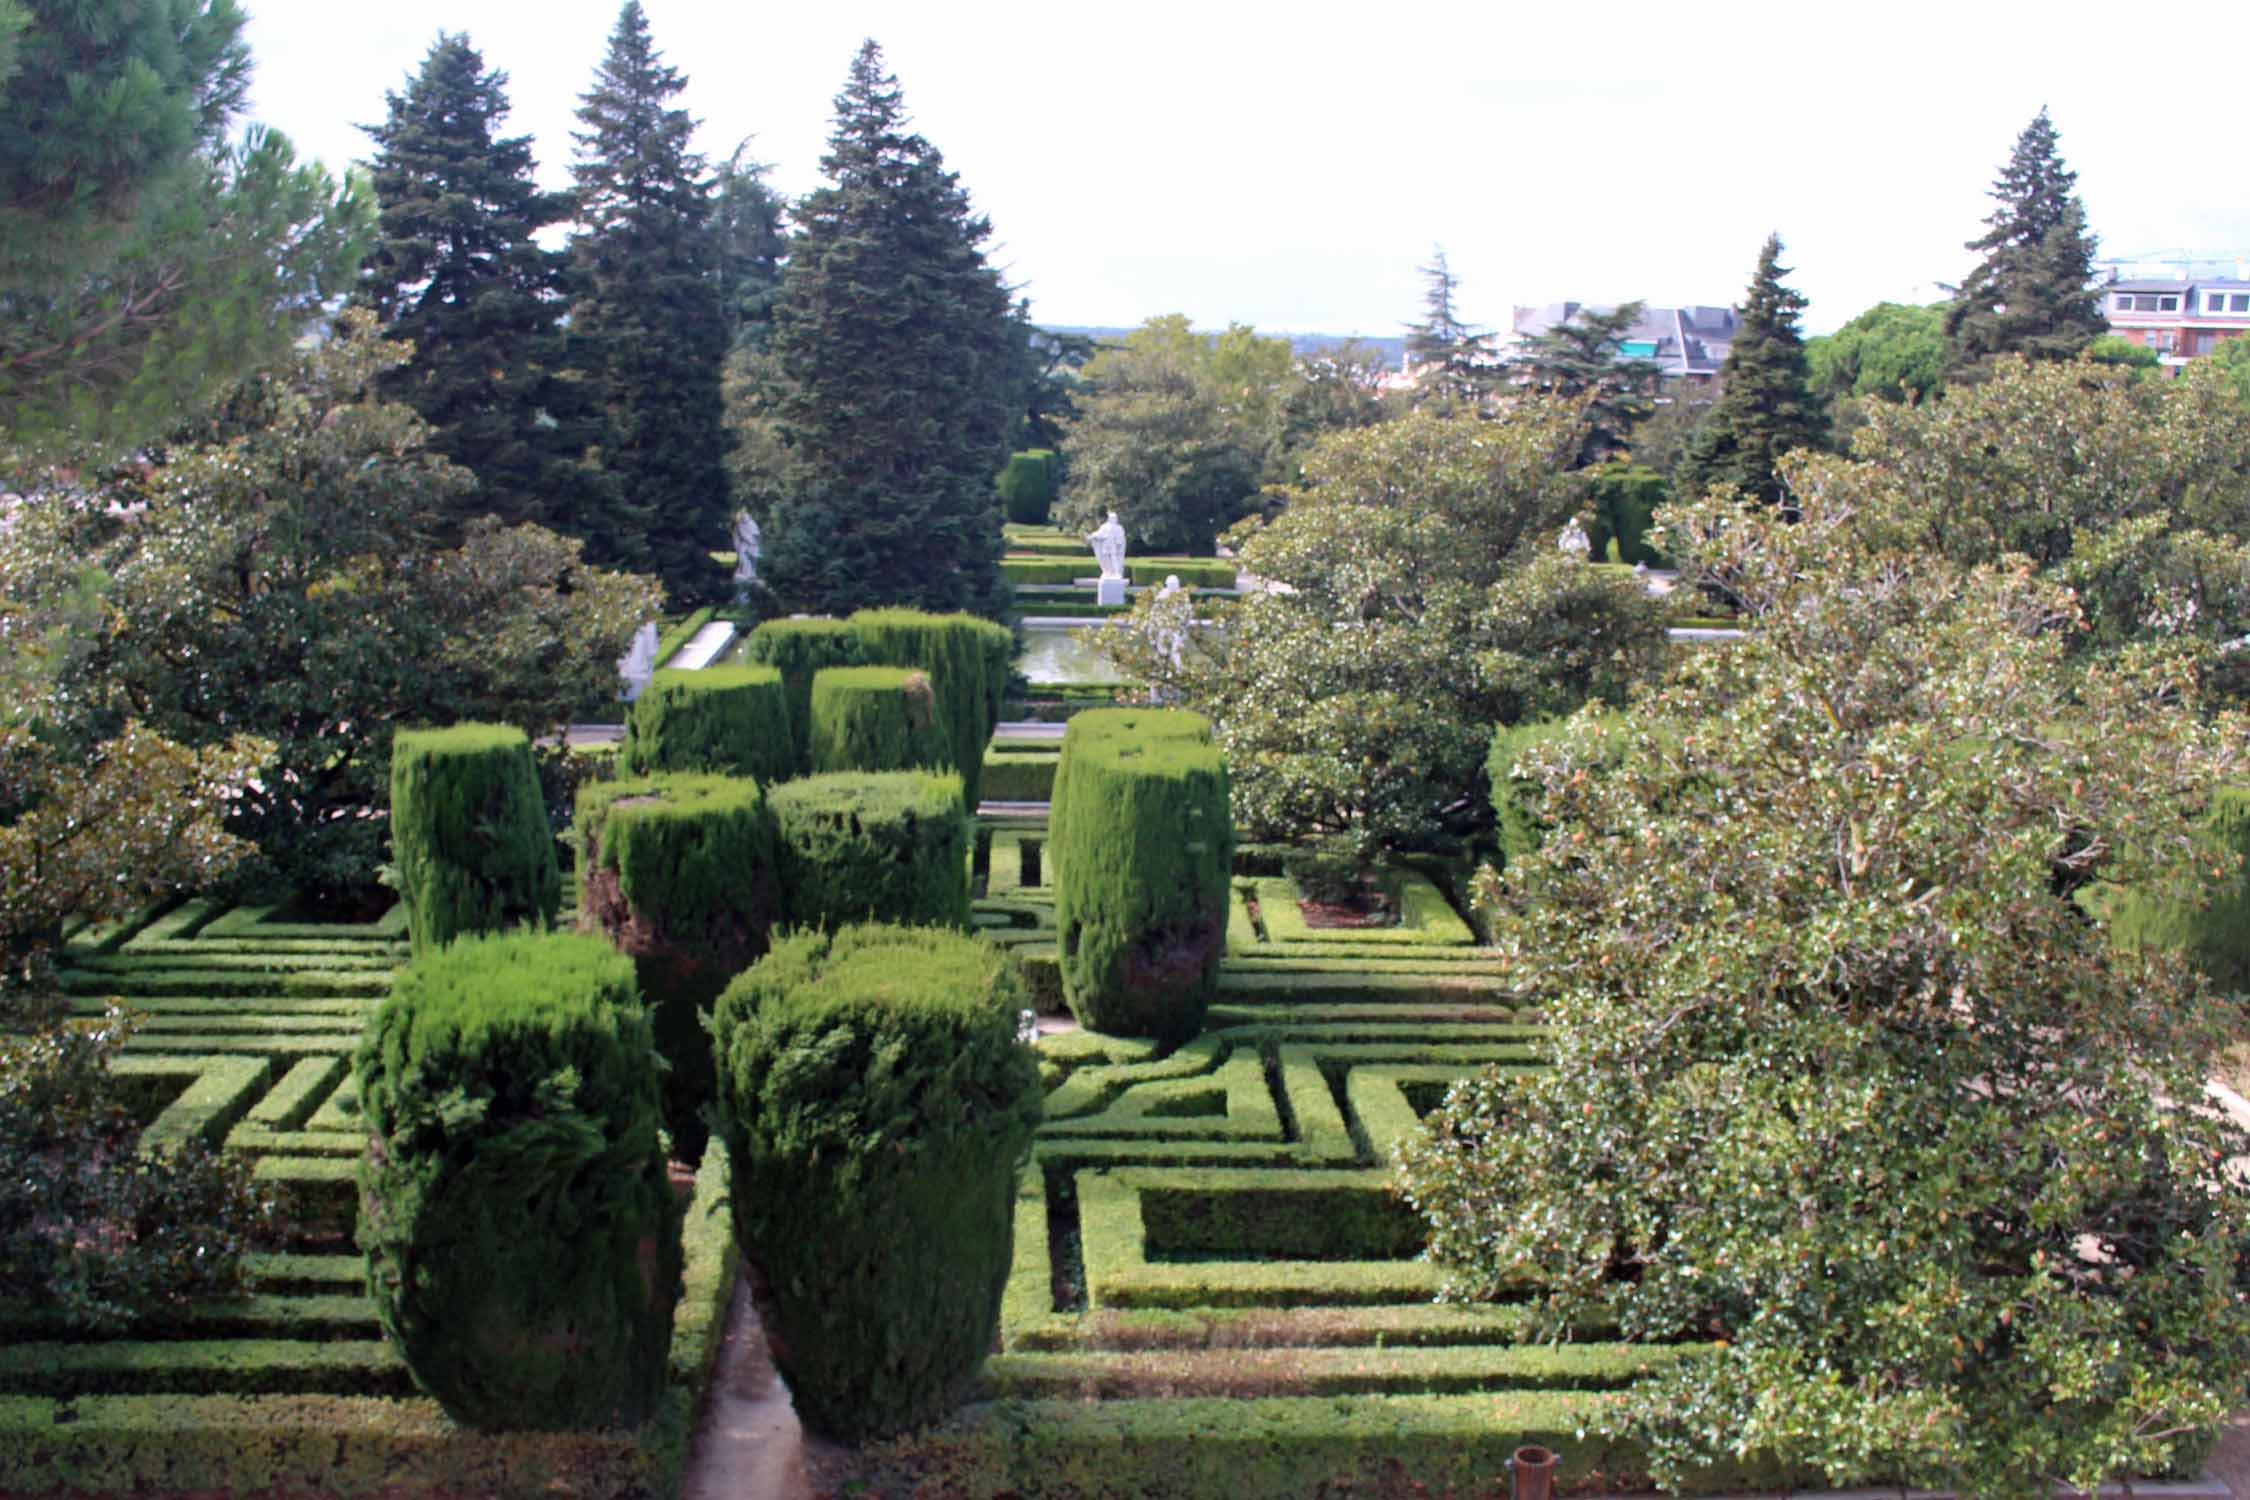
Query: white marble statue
[1574, 541]
[1109, 547]
[745, 550]
[638, 664]
[1168, 620]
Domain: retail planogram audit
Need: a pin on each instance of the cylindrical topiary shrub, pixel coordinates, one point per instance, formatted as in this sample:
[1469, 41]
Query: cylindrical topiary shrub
[521, 1232]
[1027, 486]
[873, 846]
[469, 834]
[799, 649]
[1143, 845]
[878, 719]
[877, 1105]
[957, 651]
[2214, 933]
[1125, 726]
[730, 721]
[679, 872]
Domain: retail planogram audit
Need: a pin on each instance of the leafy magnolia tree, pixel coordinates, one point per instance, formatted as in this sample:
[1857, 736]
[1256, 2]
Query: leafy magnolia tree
[1428, 603]
[1766, 407]
[1584, 357]
[649, 329]
[145, 263]
[895, 379]
[1454, 360]
[283, 581]
[458, 273]
[1891, 351]
[1856, 1090]
[2032, 294]
[2232, 357]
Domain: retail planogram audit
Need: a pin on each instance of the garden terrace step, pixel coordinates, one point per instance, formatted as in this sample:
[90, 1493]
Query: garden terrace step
[239, 1367]
[1246, 1373]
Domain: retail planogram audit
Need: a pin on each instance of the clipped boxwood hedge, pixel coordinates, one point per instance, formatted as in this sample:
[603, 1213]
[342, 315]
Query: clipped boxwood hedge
[799, 649]
[469, 833]
[522, 1235]
[732, 721]
[1143, 843]
[878, 719]
[1011, 776]
[1142, 572]
[873, 846]
[877, 1105]
[680, 872]
[967, 659]
[1027, 485]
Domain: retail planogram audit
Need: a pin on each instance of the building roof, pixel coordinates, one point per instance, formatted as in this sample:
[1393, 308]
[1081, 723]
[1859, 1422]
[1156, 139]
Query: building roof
[1679, 340]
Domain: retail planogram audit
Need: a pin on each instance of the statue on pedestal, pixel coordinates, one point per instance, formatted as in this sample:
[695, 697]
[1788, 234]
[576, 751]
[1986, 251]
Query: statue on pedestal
[638, 664]
[746, 537]
[1109, 547]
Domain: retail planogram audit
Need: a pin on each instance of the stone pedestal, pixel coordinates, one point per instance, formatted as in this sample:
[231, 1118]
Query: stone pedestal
[1108, 591]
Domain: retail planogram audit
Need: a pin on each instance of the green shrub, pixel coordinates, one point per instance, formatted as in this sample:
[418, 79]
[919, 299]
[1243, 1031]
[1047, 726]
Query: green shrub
[873, 846]
[469, 833]
[1019, 777]
[876, 1105]
[733, 721]
[1623, 499]
[522, 1235]
[800, 649]
[1143, 846]
[967, 659]
[1027, 486]
[878, 719]
[1142, 572]
[679, 872]
[2216, 936]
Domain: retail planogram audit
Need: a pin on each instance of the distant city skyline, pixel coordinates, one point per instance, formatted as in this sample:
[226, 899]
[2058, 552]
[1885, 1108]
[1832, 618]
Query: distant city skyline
[1253, 163]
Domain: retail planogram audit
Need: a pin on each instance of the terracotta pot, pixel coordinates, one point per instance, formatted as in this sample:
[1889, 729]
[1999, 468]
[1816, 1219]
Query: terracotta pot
[1534, 1469]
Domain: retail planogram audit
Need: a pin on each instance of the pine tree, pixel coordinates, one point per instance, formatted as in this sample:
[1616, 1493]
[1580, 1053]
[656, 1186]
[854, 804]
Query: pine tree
[896, 376]
[457, 272]
[2033, 292]
[1457, 356]
[1766, 407]
[648, 328]
[1583, 356]
[746, 219]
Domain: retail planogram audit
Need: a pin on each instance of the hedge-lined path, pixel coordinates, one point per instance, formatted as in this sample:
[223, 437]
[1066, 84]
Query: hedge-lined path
[749, 1444]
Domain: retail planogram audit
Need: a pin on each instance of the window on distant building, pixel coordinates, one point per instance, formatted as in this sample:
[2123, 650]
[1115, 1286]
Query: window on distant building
[2206, 342]
[2242, 302]
[2167, 304]
[2123, 302]
[2214, 302]
[2164, 339]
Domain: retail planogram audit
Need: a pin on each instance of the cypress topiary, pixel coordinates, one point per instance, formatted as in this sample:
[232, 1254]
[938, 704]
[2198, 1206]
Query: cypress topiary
[2214, 935]
[1027, 486]
[469, 833]
[679, 872]
[958, 652]
[884, 846]
[733, 721]
[877, 1105]
[522, 1236]
[878, 719]
[1144, 847]
[799, 649]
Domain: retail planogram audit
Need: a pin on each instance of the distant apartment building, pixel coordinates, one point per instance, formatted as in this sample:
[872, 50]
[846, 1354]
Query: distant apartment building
[2181, 318]
[1686, 344]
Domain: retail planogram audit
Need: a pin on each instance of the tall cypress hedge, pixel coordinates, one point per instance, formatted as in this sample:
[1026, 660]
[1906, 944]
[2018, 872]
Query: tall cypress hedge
[2215, 935]
[958, 652]
[878, 719]
[469, 834]
[877, 1106]
[1143, 843]
[733, 721]
[1027, 486]
[680, 873]
[799, 649]
[522, 1237]
[883, 846]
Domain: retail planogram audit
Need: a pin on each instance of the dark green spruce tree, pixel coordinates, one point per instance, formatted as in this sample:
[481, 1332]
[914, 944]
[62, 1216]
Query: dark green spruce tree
[1456, 359]
[1584, 356]
[746, 222]
[1766, 407]
[648, 327]
[2033, 294]
[455, 269]
[897, 374]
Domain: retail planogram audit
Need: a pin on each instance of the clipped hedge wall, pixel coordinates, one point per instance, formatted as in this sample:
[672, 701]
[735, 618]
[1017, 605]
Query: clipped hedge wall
[1143, 845]
[731, 721]
[1027, 485]
[878, 719]
[469, 833]
[680, 873]
[2215, 937]
[1020, 776]
[967, 659]
[880, 846]
[522, 1236]
[877, 1106]
[799, 649]
[1145, 572]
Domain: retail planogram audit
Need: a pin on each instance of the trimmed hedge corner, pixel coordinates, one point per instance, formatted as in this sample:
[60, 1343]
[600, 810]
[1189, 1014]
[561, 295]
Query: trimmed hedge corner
[878, 719]
[799, 649]
[1027, 485]
[469, 833]
[884, 846]
[730, 721]
[968, 661]
[522, 1236]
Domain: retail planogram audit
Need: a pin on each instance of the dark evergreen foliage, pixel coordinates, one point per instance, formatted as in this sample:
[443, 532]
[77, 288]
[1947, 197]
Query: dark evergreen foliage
[2033, 292]
[457, 272]
[1766, 407]
[749, 245]
[1457, 357]
[733, 721]
[877, 1105]
[648, 326]
[1583, 357]
[1027, 485]
[888, 846]
[897, 377]
[967, 660]
[1621, 502]
[878, 719]
[801, 648]
[469, 834]
[522, 1236]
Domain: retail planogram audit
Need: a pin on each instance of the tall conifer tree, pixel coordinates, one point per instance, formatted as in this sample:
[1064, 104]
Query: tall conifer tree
[1766, 407]
[648, 327]
[456, 271]
[1584, 355]
[2033, 293]
[1456, 358]
[896, 378]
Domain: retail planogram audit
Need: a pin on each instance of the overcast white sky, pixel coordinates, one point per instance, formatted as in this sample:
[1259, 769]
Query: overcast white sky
[1289, 165]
